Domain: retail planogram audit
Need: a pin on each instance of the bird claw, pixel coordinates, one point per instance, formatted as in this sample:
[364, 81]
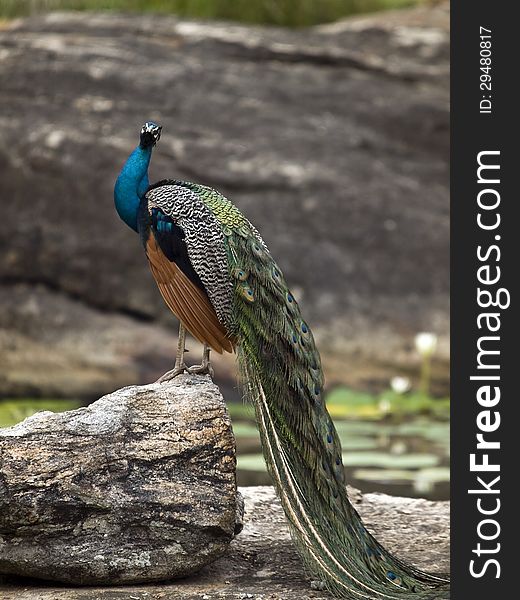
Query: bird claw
[172, 373]
[203, 369]
[180, 367]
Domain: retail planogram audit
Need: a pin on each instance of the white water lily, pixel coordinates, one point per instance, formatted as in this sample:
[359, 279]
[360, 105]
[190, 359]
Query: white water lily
[398, 448]
[425, 343]
[400, 385]
[423, 485]
[384, 405]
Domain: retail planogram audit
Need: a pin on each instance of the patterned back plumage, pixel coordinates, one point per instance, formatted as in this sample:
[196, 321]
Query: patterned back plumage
[204, 241]
[283, 379]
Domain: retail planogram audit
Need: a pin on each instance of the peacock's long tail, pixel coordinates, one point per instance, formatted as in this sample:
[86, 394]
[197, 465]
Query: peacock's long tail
[283, 379]
[216, 273]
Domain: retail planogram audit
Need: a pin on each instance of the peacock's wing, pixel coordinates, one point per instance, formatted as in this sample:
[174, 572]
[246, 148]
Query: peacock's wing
[178, 281]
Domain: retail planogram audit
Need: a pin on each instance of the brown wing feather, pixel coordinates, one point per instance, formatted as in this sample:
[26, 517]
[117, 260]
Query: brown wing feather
[187, 302]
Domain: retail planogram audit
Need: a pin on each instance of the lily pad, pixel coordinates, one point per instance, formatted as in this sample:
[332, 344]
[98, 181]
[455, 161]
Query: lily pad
[432, 475]
[244, 430]
[424, 428]
[354, 428]
[384, 475]
[251, 462]
[363, 411]
[347, 403]
[358, 443]
[241, 410]
[435, 474]
[389, 461]
[342, 396]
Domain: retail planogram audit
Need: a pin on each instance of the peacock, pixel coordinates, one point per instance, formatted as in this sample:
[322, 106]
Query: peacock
[218, 277]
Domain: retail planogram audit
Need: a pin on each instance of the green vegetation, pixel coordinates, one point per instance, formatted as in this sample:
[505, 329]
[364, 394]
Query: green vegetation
[389, 461]
[392, 441]
[409, 457]
[346, 403]
[16, 410]
[432, 475]
[389, 440]
[291, 13]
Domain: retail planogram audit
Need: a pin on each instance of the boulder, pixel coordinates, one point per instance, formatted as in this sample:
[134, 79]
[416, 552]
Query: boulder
[137, 487]
[333, 140]
[262, 564]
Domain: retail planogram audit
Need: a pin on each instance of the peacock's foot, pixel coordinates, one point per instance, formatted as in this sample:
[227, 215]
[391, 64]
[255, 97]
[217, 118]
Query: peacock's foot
[172, 373]
[203, 369]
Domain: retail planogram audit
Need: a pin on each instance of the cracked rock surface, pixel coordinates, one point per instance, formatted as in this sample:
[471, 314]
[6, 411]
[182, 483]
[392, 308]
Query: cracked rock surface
[138, 486]
[261, 563]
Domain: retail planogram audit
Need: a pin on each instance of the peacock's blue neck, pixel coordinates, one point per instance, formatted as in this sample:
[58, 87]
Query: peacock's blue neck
[132, 184]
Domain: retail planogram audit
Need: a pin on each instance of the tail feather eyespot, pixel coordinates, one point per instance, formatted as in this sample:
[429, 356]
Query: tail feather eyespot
[258, 250]
[246, 292]
[240, 274]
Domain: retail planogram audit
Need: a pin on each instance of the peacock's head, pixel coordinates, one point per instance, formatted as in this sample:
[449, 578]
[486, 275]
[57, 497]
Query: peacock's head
[150, 134]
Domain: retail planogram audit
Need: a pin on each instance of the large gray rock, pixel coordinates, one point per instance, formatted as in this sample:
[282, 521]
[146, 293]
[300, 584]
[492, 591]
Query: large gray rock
[138, 487]
[261, 563]
[333, 141]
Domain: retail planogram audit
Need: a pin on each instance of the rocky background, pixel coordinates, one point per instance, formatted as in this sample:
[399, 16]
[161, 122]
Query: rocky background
[333, 141]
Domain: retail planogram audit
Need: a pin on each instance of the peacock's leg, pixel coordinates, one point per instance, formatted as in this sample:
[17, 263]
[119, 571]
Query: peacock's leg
[180, 365]
[205, 367]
